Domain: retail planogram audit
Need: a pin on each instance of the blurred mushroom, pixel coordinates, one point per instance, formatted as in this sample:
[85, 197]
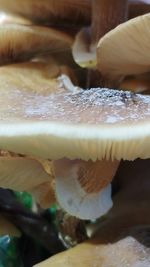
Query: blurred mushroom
[106, 15]
[37, 74]
[39, 11]
[28, 42]
[22, 43]
[119, 54]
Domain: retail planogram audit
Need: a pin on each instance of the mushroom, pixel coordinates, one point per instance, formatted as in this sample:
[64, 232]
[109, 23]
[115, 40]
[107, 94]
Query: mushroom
[26, 174]
[28, 42]
[30, 73]
[128, 251]
[122, 236]
[119, 54]
[13, 168]
[97, 125]
[50, 11]
[105, 16]
[22, 43]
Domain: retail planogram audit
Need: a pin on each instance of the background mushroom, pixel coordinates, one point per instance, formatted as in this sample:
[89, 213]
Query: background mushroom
[61, 12]
[22, 43]
[119, 54]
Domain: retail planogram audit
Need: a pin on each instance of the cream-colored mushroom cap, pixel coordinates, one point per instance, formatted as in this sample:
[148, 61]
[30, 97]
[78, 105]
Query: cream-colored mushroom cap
[127, 250]
[78, 124]
[125, 50]
[57, 120]
[21, 43]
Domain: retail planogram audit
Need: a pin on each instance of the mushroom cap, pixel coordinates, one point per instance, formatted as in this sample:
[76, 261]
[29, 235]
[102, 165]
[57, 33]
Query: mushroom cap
[125, 49]
[48, 10]
[84, 124]
[26, 75]
[26, 174]
[19, 173]
[21, 43]
[97, 252]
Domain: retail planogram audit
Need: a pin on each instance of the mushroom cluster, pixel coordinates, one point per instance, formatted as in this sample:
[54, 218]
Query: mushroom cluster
[65, 130]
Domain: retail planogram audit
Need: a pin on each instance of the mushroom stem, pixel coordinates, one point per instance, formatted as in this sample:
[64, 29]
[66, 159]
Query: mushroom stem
[82, 187]
[106, 15]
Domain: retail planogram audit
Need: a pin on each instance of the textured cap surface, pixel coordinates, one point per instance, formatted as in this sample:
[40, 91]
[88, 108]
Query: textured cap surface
[57, 123]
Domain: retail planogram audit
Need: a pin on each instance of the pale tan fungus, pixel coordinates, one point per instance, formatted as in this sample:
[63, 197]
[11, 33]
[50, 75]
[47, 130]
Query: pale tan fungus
[55, 123]
[24, 42]
[26, 174]
[125, 252]
[119, 54]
